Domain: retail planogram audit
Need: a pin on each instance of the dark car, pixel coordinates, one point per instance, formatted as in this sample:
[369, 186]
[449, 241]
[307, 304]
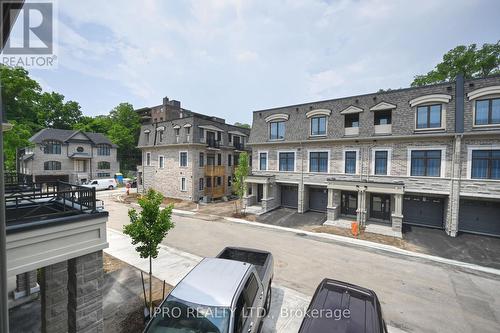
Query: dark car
[343, 307]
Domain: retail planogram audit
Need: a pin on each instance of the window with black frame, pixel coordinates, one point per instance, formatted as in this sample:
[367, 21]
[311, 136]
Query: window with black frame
[103, 165]
[351, 120]
[487, 112]
[426, 163]
[318, 162]
[103, 150]
[383, 117]
[287, 161]
[429, 116]
[52, 147]
[277, 130]
[318, 126]
[52, 165]
[263, 161]
[350, 162]
[381, 157]
[183, 159]
[485, 164]
[202, 159]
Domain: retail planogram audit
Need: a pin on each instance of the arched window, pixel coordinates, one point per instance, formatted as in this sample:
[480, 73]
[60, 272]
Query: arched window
[52, 147]
[103, 149]
[103, 165]
[52, 165]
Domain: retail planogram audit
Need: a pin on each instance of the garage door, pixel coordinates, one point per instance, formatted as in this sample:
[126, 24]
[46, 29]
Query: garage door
[289, 196]
[318, 199]
[424, 211]
[481, 217]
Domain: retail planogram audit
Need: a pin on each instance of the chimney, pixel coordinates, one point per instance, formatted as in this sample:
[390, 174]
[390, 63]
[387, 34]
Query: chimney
[165, 101]
[176, 104]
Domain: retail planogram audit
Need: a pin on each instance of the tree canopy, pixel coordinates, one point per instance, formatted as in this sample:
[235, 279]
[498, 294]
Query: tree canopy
[242, 125]
[469, 60]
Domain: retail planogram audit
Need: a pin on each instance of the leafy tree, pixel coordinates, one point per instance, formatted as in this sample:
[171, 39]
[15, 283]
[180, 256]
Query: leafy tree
[148, 229]
[97, 124]
[469, 60]
[54, 112]
[242, 125]
[17, 137]
[240, 175]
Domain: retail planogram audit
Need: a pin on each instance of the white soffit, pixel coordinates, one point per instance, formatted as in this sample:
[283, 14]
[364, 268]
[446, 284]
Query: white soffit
[383, 106]
[237, 133]
[277, 116]
[318, 112]
[351, 109]
[493, 90]
[438, 98]
[211, 128]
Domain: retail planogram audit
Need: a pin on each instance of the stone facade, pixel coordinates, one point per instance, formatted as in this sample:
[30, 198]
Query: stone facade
[54, 287]
[455, 144]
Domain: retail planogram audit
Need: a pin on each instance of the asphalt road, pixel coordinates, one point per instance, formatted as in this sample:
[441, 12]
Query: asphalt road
[416, 295]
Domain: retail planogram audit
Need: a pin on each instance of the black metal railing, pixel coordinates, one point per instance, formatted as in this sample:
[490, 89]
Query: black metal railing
[50, 200]
[17, 182]
[239, 145]
[213, 143]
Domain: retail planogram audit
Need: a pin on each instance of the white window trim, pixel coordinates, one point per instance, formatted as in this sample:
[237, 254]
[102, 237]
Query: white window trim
[148, 153]
[278, 160]
[481, 92]
[357, 160]
[443, 118]
[318, 112]
[480, 97]
[383, 106]
[185, 183]
[443, 161]
[277, 116]
[187, 159]
[308, 170]
[310, 126]
[159, 165]
[430, 99]
[267, 159]
[351, 109]
[201, 181]
[389, 161]
[470, 149]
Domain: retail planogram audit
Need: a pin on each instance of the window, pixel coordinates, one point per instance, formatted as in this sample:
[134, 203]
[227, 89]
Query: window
[52, 147]
[201, 184]
[219, 159]
[429, 116]
[318, 162]
[262, 161]
[161, 161]
[318, 125]
[177, 131]
[160, 136]
[103, 174]
[209, 182]
[188, 130]
[381, 162]
[352, 120]
[229, 137]
[146, 134]
[287, 161]
[202, 160]
[383, 117]
[52, 165]
[485, 164]
[103, 165]
[148, 159]
[229, 184]
[277, 130]
[80, 166]
[251, 289]
[426, 163]
[350, 162]
[201, 133]
[487, 112]
[183, 184]
[183, 159]
[219, 136]
[103, 149]
[229, 159]
[219, 181]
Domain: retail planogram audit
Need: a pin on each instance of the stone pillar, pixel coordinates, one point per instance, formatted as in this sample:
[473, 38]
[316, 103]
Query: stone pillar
[333, 208]
[300, 194]
[26, 284]
[85, 313]
[397, 216]
[54, 292]
[361, 211]
[453, 206]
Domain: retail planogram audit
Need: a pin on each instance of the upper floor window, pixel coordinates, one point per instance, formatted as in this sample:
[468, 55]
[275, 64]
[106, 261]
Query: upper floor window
[52, 147]
[277, 130]
[188, 130]
[381, 158]
[202, 159]
[429, 116]
[103, 150]
[201, 133]
[383, 117]
[177, 131]
[352, 120]
[426, 163]
[350, 162]
[287, 161]
[229, 137]
[487, 112]
[103, 165]
[52, 165]
[262, 161]
[148, 159]
[183, 159]
[201, 184]
[229, 159]
[160, 136]
[318, 125]
[161, 161]
[485, 164]
[146, 134]
[219, 159]
[318, 162]
[183, 184]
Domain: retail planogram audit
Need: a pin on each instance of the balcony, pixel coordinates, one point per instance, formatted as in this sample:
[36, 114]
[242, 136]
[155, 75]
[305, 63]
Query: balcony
[213, 143]
[383, 129]
[215, 170]
[351, 131]
[239, 146]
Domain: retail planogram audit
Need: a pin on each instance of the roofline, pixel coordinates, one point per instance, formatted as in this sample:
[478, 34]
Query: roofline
[195, 114]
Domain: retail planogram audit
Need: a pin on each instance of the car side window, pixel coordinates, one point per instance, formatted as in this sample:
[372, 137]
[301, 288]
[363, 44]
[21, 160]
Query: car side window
[251, 290]
[239, 314]
[94, 182]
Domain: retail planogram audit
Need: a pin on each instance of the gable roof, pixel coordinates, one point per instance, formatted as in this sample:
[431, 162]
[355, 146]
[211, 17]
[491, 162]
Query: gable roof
[65, 135]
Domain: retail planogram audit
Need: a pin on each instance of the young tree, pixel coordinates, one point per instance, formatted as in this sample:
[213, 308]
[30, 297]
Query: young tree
[240, 174]
[148, 228]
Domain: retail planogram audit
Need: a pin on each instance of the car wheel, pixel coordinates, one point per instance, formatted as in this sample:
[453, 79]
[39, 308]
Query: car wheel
[267, 306]
[111, 187]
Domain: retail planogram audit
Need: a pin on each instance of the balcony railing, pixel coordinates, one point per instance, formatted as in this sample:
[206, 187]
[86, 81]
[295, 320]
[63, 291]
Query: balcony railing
[213, 143]
[215, 192]
[17, 182]
[215, 170]
[239, 146]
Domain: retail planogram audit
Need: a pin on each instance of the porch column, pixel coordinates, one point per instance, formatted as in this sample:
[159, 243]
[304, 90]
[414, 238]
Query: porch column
[333, 208]
[54, 292]
[361, 211]
[397, 216]
[265, 191]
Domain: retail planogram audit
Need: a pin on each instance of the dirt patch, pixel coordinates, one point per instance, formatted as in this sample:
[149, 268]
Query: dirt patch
[382, 239]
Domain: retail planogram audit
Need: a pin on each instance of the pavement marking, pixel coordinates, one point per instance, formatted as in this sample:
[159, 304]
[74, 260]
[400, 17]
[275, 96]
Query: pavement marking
[172, 265]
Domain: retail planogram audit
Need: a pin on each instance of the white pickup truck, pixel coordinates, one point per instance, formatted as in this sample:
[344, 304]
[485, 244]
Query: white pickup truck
[230, 293]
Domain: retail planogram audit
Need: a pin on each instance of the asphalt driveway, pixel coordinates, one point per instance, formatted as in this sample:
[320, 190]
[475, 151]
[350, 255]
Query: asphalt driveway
[287, 217]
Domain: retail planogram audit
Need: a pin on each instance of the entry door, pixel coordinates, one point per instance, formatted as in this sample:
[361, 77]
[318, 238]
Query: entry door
[260, 192]
[349, 203]
[380, 207]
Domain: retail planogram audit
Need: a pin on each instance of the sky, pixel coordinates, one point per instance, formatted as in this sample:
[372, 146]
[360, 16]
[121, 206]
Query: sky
[229, 58]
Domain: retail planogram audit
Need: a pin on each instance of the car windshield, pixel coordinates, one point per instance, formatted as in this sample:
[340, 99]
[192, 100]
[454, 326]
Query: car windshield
[178, 316]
